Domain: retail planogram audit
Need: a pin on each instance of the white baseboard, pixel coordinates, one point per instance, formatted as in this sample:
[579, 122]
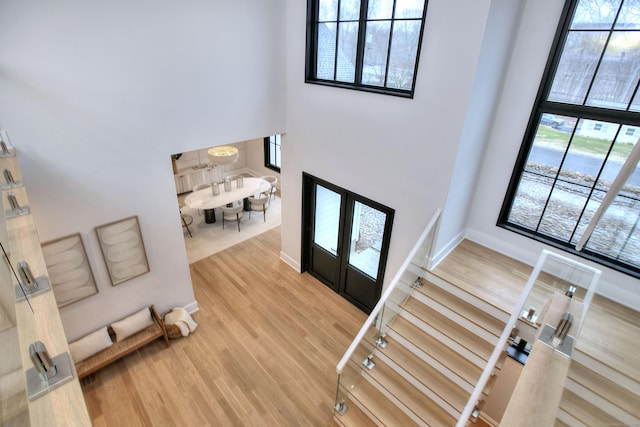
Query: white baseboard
[192, 307]
[290, 261]
[500, 246]
[444, 252]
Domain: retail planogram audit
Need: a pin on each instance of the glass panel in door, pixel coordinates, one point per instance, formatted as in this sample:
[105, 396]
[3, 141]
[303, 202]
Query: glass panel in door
[327, 219]
[367, 232]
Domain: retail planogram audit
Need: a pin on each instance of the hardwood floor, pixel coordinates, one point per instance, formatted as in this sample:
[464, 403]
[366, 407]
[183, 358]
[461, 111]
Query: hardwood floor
[264, 353]
[491, 276]
[269, 339]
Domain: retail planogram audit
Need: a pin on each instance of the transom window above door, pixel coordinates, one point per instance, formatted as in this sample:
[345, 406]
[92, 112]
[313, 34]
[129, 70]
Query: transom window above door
[370, 45]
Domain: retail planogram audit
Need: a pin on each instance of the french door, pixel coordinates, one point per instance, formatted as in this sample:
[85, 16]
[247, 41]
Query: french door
[345, 241]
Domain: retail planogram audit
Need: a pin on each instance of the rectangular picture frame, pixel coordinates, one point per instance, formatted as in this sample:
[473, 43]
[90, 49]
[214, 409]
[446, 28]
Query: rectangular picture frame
[69, 270]
[123, 249]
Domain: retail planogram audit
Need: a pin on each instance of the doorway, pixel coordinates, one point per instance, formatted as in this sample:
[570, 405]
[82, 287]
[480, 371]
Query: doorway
[345, 240]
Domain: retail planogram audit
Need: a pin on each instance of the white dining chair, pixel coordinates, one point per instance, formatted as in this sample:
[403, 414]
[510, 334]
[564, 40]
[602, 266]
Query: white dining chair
[232, 213]
[187, 220]
[273, 181]
[259, 204]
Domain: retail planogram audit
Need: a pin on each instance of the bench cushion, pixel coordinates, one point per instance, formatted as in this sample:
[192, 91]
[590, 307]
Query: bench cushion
[90, 344]
[132, 324]
[127, 345]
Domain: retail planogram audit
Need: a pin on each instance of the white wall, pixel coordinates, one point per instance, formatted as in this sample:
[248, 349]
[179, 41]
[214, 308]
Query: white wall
[396, 151]
[503, 17]
[95, 96]
[540, 18]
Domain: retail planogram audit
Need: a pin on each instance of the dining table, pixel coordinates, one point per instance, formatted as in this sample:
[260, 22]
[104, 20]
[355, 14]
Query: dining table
[205, 199]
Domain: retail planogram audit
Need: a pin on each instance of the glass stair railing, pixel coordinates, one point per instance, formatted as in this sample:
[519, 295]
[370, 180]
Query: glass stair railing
[549, 316]
[359, 383]
[372, 333]
[36, 388]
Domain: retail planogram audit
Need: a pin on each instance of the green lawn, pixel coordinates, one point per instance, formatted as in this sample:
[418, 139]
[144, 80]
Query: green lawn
[582, 143]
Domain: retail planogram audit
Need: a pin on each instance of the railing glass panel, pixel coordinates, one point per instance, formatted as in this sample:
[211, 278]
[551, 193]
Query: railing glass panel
[13, 397]
[351, 366]
[36, 387]
[557, 286]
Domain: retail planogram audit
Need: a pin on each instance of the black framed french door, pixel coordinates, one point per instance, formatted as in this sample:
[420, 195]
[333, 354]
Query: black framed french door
[345, 240]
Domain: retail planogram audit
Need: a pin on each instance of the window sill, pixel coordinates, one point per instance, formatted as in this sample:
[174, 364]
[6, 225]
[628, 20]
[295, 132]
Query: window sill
[363, 88]
[585, 253]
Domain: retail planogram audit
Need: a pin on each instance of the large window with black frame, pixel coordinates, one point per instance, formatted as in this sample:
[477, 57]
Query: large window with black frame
[370, 45]
[583, 128]
[272, 152]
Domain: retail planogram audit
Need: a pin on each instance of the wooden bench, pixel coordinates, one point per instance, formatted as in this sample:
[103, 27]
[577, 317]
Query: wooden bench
[119, 349]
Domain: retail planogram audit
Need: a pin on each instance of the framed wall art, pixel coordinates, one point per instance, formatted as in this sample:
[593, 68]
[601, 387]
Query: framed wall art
[69, 269]
[123, 249]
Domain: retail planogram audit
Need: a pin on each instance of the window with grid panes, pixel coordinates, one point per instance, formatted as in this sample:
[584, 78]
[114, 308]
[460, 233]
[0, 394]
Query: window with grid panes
[582, 129]
[370, 45]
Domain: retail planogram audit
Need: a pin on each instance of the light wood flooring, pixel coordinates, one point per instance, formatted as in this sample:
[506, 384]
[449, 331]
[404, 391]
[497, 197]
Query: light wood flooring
[610, 333]
[264, 353]
[269, 339]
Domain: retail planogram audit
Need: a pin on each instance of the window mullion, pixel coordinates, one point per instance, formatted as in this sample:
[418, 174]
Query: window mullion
[595, 182]
[633, 96]
[553, 186]
[391, 28]
[362, 38]
[624, 246]
[595, 72]
[337, 46]
[604, 51]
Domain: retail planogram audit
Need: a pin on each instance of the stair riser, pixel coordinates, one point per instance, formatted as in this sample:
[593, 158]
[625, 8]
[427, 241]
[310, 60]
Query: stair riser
[453, 345]
[457, 318]
[607, 372]
[601, 403]
[444, 370]
[568, 419]
[467, 297]
[394, 400]
[423, 389]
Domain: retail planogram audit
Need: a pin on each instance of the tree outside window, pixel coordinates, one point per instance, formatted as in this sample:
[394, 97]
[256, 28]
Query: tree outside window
[582, 129]
[369, 45]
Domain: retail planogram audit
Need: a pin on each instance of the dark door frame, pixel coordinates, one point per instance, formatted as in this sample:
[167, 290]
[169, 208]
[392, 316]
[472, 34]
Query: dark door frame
[349, 198]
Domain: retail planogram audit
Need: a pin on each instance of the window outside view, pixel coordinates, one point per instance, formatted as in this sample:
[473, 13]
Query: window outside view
[367, 234]
[390, 35]
[587, 126]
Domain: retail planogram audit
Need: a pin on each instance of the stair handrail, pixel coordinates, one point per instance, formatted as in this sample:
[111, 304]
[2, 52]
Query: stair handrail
[500, 346]
[383, 299]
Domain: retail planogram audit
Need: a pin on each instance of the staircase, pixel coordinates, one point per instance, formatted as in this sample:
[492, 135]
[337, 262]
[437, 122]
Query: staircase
[429, 352]
[603, 383]
[437, 346]
[596, 394]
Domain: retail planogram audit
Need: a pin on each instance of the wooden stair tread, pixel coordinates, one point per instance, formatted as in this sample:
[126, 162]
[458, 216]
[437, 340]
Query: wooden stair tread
[584, 411]
[609, 335]
[365, 394]
[427, 410]
[463, 308]
[353, 417]
[427, 375]
[437, 350]
[491, 276]
[563, 418]
[606, 388]
[465, 338]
